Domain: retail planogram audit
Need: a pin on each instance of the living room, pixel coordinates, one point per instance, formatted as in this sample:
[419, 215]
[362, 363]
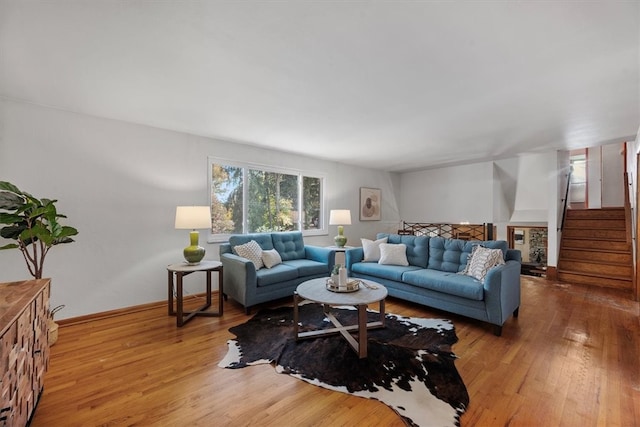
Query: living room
[119, 175]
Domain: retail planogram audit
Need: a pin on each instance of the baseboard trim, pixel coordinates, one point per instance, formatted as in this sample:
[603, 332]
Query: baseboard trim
[121, 311]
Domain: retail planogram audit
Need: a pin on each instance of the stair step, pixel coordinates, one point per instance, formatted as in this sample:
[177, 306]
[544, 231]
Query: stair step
[601, 224]
[590, 267]
[599, 245]
[603, 213]
[594, 280]
[610, 257]
[617, 235]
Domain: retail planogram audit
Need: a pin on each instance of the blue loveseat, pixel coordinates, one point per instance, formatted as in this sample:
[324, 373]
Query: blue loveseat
[431, 277]
[250, 286]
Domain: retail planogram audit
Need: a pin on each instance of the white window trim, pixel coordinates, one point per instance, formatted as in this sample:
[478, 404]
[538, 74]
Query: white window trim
[324, 230]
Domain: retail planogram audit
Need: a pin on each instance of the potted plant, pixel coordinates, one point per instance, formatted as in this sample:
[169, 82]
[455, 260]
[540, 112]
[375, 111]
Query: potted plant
[33, 224]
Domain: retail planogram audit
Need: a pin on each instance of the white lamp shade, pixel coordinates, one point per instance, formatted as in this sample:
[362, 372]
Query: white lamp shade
[193, 217]
[340, 217]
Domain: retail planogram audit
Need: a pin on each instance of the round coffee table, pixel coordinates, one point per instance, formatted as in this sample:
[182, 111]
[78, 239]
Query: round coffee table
[369, 292]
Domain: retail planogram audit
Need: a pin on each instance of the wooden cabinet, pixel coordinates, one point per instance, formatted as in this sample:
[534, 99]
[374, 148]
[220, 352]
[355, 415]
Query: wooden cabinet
[24, 348]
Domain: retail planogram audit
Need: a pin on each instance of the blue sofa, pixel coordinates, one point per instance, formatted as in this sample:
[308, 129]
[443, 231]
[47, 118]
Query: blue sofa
[300, 262]
[431, 277]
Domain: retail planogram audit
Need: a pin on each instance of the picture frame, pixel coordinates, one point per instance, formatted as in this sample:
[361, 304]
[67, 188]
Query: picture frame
[370, 204]
[518, 236]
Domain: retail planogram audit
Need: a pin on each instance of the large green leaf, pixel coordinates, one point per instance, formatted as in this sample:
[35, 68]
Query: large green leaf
[7, 218]
[7, 186]
[66, 231]
[12, 232]
[37, 232]
[10, 201]
[9, 246]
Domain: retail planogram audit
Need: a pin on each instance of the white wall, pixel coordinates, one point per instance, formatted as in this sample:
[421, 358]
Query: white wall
[509, 191]
[451, 195]
[594, 177]
[119, 184]
[613, 163]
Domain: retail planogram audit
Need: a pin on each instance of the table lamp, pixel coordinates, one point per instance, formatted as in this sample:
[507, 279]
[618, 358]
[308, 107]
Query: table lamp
[340, 217]
[191, 218]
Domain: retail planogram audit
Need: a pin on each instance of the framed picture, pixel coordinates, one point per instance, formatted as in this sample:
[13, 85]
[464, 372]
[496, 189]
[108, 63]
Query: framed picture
[518, 236]
[370, 202]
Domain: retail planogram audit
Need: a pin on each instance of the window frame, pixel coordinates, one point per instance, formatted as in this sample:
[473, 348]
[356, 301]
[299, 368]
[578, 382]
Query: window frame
[246, 166]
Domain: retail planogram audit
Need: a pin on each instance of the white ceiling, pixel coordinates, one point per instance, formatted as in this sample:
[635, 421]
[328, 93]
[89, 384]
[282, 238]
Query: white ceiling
[393, 85]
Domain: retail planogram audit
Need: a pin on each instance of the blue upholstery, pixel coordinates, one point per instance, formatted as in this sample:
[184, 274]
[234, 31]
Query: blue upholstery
[264, 240]
[417, 247]
[432, 279]
[307, 267]
[391, 272]
[300, 263]
[447, 282]
[276, 274]
[289, 245]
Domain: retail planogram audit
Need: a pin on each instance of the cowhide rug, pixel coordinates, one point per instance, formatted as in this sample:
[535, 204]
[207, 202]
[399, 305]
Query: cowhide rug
[410, 365]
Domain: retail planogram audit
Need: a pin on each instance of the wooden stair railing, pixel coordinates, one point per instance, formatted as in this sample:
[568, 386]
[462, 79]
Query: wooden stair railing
[595, 249]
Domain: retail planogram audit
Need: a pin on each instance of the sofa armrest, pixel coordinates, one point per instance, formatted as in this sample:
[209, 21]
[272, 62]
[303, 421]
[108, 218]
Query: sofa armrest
[320, 254]
[239, 276]
[351, 256]
[502, 291]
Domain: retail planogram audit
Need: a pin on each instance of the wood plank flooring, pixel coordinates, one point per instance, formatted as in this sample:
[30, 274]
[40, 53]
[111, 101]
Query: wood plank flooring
[572, 358]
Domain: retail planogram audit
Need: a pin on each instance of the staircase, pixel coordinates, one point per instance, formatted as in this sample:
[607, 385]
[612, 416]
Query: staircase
[595, 250]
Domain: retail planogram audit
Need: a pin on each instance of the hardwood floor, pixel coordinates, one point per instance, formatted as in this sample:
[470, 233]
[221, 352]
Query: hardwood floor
[572, 358]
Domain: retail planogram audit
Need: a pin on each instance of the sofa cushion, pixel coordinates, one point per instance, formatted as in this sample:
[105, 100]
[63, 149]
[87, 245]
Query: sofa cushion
[391, 254]
[307, 267]
[446, 282]
[391, 272]
[276, 274]
[271, 258]
[264, 240]
[251, 251]
[417, 247]
[452, 254]
[371, 249]
[447, 254]
[289, 244]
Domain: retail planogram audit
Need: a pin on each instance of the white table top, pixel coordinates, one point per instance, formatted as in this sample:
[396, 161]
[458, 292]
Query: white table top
[204, 265]
[316, 290]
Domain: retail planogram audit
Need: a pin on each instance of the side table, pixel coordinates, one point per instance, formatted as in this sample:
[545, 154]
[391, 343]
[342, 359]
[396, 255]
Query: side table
[341, 250]
[182, 269]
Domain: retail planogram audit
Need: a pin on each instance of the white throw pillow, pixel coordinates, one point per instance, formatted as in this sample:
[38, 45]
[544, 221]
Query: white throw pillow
[252, 251]
[271, 258]
[481, 261]
[372, 249]
[393, 254]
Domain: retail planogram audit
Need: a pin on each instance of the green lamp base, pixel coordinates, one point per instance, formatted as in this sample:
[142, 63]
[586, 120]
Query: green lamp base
[340, 239]
[193, 253]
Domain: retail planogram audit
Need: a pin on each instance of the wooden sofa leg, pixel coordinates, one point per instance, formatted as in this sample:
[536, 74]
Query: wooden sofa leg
[516, 312]
[497, 330]
[247, 310]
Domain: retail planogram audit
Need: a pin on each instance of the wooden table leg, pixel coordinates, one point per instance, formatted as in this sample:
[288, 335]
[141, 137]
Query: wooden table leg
[295, 315]
[179, 300]
[220, 291]
[362, 331]
[170, 296]
[208, 288]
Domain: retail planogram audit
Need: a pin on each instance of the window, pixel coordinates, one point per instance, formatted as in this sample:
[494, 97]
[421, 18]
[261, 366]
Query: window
[253, 199]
